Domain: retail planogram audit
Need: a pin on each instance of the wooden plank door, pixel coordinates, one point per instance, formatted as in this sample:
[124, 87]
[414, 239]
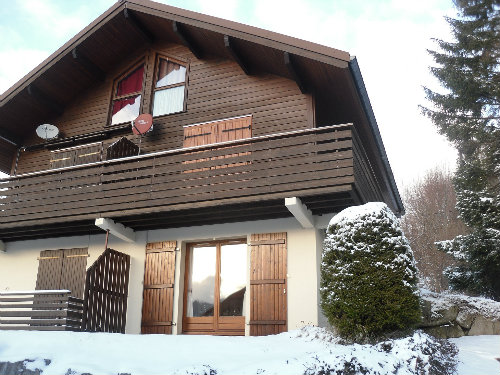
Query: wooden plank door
[158, 297]
[268, 302]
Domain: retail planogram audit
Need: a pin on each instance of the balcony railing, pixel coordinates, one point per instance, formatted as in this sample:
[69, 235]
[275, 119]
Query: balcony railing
[300, 163]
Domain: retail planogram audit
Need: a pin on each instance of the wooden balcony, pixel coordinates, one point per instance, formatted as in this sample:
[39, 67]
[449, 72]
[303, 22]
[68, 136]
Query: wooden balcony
[233, 181]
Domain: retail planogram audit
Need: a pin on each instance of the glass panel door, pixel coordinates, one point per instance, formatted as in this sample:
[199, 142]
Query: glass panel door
[201, 286]
[233, 260]
[215, 295]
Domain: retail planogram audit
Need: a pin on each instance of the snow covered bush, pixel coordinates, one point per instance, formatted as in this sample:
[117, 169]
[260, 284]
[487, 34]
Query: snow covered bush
[368, 274]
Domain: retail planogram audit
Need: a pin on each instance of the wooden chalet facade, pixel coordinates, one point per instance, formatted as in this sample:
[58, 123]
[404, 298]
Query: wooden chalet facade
[257, 140]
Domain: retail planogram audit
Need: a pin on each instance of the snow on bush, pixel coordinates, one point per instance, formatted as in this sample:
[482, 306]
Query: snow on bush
[368, 274]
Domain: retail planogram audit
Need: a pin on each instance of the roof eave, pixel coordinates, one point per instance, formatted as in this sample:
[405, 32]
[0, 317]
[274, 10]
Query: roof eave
[367, 107]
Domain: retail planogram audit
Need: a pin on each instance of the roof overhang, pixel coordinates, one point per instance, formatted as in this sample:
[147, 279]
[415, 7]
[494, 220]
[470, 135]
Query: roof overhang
[86, 59]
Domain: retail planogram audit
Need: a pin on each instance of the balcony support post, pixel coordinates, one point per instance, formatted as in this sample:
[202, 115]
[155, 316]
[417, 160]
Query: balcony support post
[116, 229]
[300, 212]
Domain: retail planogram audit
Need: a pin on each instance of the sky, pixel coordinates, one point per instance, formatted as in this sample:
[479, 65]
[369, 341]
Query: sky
[390, 39]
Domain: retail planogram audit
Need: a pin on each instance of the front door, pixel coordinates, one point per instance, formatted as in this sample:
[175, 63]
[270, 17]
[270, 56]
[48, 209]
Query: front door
[215, 292]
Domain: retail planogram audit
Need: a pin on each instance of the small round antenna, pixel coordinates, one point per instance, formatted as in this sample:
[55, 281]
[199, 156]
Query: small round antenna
[47, 131]
[142, 124]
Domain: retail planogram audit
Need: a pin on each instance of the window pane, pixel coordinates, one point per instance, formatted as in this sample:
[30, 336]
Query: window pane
[125, 110]
[168, 101]
[200, 295]
[170, 73]
[131, 83]
[233, 260]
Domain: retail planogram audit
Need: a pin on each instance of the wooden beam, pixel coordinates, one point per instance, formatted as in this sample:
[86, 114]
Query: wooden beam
[3, 247]
[116, 229]
[300, 212]
[10, 138]
[186, 39]
[87, 65]
[293, 72]
[138, 26]
[43, 99]
[235, 55]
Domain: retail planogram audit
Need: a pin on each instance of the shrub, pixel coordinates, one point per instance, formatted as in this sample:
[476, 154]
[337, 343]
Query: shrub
[368, 274]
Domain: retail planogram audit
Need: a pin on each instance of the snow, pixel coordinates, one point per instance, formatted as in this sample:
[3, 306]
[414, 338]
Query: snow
[295, 352]
[477, 355]
[442, 301]
[354, 212]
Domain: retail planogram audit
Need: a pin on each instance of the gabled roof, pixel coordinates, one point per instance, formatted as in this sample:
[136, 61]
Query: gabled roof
[129, 25]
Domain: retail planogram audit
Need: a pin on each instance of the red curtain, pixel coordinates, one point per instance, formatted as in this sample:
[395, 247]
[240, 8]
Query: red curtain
[119, 104]
[131, 83]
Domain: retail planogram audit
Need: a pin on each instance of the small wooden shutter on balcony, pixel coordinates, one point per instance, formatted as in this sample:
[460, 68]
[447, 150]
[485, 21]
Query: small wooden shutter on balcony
[67, 157]
[268, 302]
[158, 297]
[216, 132]
[62, 269]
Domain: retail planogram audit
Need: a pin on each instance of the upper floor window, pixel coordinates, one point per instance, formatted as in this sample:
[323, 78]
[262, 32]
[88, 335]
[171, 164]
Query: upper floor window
[169, 87]
[127, 96]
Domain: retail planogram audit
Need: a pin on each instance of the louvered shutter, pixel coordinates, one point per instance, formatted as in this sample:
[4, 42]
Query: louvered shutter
[158, 297]
[268, 302]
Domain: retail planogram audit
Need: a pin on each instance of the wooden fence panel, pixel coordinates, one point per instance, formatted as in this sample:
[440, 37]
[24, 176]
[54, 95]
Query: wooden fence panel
[106, 293]
[40, 310]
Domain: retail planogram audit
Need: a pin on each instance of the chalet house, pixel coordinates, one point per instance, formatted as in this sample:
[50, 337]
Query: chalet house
[218, 211]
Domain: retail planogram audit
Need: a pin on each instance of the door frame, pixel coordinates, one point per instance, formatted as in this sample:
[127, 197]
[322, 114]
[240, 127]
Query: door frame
[215, 325]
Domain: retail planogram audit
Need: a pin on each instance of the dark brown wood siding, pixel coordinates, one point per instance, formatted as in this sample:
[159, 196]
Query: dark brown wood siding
[158, 297]
[268, 302]
[217, 89]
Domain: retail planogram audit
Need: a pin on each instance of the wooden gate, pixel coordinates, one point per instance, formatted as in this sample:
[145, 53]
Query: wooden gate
[106, 293]
[268, 302]
[62, 269]
[158, 298]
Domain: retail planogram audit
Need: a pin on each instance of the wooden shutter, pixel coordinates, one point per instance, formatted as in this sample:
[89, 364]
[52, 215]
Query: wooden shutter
[268, 302]
[62, 269]
[215, 132]
[49, 270]
[73, 271]
[67, 157]
[158, 297]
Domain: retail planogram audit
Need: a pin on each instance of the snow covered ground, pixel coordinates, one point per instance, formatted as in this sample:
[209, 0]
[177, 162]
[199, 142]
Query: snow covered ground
[295, 352]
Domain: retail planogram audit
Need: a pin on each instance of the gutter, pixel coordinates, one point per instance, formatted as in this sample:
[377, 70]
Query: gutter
[365, 101]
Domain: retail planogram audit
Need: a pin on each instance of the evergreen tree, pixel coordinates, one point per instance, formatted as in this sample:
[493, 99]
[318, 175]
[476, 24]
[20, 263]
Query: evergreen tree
[368, 274]
[468, 114]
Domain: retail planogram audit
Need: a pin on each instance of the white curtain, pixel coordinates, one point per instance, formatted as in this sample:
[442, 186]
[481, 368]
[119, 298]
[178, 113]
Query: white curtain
[168, 101]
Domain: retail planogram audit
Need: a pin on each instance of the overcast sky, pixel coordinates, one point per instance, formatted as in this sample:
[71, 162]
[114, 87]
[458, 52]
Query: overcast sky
[389, 38]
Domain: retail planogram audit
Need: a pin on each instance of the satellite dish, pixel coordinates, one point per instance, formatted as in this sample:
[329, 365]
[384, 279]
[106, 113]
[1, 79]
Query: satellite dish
[142, 124]
[47, 131]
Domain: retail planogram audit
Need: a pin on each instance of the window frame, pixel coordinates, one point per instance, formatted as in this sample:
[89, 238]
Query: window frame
[118, 79]
[216, 324]
[154, 89]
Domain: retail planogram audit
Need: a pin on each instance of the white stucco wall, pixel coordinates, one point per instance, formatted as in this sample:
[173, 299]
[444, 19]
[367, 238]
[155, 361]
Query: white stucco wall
[19, 264]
